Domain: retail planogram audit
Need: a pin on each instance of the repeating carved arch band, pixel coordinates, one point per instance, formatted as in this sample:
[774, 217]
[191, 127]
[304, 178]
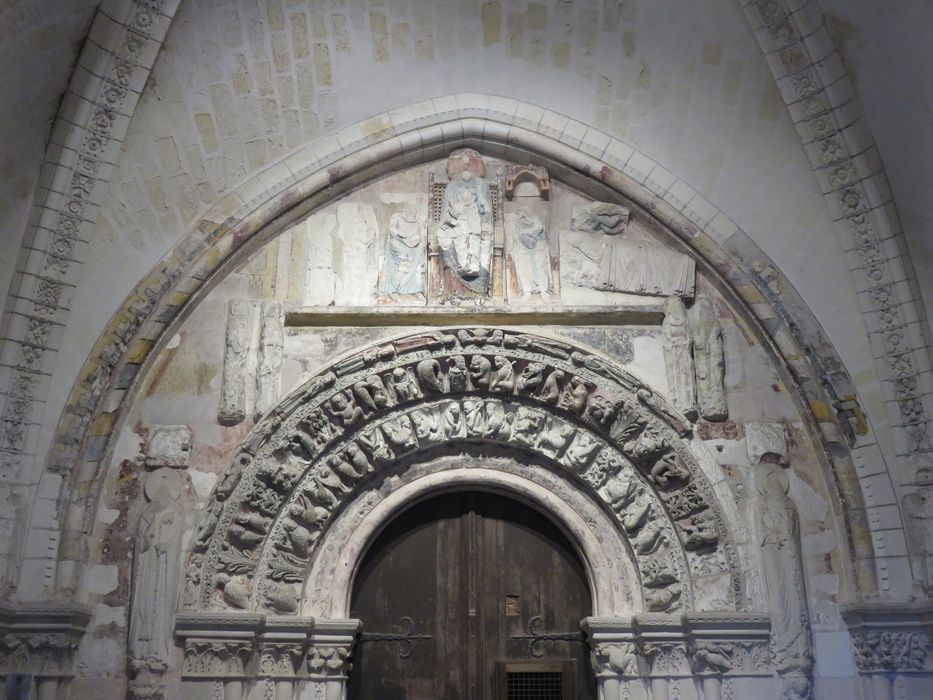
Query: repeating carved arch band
[365, 419]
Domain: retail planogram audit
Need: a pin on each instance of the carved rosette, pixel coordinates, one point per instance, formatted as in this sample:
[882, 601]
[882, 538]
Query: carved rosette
[573, 410]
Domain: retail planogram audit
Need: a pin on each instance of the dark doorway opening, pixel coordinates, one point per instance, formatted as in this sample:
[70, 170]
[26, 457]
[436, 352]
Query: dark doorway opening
[454, 595]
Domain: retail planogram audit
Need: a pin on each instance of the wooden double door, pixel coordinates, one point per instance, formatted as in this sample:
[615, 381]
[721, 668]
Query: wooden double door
[452, 595]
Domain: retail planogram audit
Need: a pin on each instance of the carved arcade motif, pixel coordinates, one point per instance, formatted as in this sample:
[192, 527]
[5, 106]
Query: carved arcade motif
[474, 385]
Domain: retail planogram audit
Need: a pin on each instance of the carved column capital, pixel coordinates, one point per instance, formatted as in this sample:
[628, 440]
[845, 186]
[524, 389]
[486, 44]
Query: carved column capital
[614, 647]
[891, 638]
[41, 639]
[217, 658]
[734, 644]
[282, 647]
[331, 649]
[663, 642]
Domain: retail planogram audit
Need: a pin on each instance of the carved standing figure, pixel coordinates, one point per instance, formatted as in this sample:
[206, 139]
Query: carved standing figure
[777, 532]
[156, 572]
[405, 255]
[678, 355]
[918, 524]
[708, 360]
[530, 255]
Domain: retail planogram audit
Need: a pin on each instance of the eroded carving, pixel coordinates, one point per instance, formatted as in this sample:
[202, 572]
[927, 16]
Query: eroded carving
[678, 356]
[269, 361]
[708, 360]
[233, 389]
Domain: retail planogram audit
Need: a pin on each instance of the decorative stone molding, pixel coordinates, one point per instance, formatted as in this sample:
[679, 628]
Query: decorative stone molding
[631, 655]
[333, 438]
[734, 645]
[92, 120]
[313, 176]
[891, 638]
[825, 110]
[41, 640]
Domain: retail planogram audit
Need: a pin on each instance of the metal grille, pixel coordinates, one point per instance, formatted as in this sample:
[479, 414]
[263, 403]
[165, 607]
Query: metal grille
[537, 685]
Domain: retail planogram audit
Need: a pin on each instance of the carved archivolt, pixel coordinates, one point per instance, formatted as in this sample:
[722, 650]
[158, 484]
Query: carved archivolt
[335, 438]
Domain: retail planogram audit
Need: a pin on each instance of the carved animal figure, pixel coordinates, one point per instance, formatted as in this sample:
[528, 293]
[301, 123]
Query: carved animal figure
[404, 385]
[575, 396]
[430, 377]
[554, 440]
[530, 380]
[552, 387]
[480, 368]
[504, 378]
[427, 424]
[527, 425]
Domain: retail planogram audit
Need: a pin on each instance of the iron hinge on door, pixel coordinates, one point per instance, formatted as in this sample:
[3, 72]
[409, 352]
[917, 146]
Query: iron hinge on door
[404, 639]
[536, 636]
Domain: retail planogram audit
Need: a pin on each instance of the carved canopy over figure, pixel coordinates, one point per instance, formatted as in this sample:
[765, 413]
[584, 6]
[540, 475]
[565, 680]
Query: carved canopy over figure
[465, 231]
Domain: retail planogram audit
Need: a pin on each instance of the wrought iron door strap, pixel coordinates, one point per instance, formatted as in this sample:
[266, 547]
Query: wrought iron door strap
[404, 639]
[536, 636]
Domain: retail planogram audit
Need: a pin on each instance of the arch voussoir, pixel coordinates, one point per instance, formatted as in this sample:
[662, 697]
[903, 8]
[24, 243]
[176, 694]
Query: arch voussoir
[351, 425]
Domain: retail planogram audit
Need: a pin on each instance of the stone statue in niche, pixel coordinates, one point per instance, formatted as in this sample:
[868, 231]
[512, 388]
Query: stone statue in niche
[530, 256]
[615, 262]
[777, 532]
[465, 228]
[406, 255]
[918, 525]
[678, 356]
[708, 360]
[157, 568]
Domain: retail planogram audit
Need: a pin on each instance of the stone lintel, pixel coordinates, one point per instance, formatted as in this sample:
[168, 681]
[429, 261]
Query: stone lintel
[649, 314]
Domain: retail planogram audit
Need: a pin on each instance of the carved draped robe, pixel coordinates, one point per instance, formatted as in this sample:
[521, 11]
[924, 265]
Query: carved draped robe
[465, 232]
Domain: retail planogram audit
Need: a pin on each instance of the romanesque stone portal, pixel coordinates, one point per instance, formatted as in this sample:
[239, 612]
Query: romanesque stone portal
[469, 325]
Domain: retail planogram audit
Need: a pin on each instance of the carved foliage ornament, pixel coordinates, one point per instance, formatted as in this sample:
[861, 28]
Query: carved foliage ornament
[574, 410]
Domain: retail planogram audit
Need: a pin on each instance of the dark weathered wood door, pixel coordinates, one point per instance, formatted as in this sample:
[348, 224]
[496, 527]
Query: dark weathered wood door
[465, 574]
